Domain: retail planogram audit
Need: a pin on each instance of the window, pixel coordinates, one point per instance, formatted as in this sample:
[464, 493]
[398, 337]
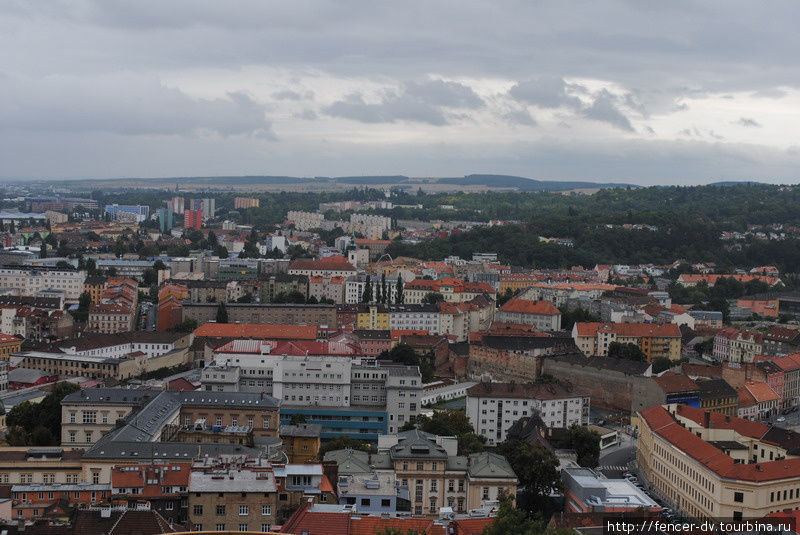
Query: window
[485, 493]
[738, 497]
[95, 478]
[244, 510]
[242, 527]
[420, 466]
[265, 527]
[266, 510]
[386, 502]
[89, 417]
[197, 510]
[220, 527]
[168, 506]
[220, 510]
[195, 527]
[72, 436]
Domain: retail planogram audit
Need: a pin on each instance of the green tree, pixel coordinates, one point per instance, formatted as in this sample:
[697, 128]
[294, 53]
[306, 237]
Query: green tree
[586, 444]
[222, 313]
[344, 442]
[513, 521]
[627, 351]
[384, 289]
[37, 424]
[366, 295]
[451, 423]
[186, 326]
[431, 298]
[297, 419]
[43, 250]
[537, 471]
[662, 364]
[506, 297]
[399, 297]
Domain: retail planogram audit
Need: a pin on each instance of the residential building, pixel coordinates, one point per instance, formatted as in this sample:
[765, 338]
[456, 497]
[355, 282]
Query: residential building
[718, 396]
[327, 290]
[541, 314]
[127, 212]
[372, 227]
[708, 464]
[29, 281]
[91, 415]
[355, 285]
[344, 393]
[493, 408]
[242, 203]
[330, 266]
[193, 219]
[9, 344]
[281, 285]
[322, 315]
[429, 467]
[734, 345]
[301, 442]
[780, 341]
[164, 485]
[305, 220]
[655, 340]
[453, 290]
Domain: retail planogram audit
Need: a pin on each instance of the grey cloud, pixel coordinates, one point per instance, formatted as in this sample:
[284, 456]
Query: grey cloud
[124, 104]
[520, 116]
[604, 109]
[770, 93]
[424, 102]
[751, 123]
[306, 115]
[287, 94]
[549, 92]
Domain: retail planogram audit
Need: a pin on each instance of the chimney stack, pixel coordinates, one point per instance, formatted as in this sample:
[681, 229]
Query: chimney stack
[707, 420]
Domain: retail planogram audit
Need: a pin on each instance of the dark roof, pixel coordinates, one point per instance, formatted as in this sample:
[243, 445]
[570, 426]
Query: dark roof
[727, 444]
[30, 301]
[715, 388]
[524, 343]
[97, 340]
[521, 390]
[628, 367]
[301, 430]
[768, 367]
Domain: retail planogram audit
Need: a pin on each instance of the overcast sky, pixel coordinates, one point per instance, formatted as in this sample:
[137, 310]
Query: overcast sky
[637, 91]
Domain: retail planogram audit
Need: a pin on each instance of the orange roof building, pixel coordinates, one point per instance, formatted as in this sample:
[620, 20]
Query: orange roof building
[543, 315]
[716, 465]
[257, 330]
[656, 340]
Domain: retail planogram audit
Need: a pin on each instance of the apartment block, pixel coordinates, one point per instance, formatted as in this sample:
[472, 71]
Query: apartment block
[493, 408]
[655, 340]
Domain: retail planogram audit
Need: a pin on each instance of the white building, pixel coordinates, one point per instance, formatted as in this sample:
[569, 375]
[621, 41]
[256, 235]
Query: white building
[31, 281]
[354, 288]
[273, 242]
[492, 408]
[305, 220]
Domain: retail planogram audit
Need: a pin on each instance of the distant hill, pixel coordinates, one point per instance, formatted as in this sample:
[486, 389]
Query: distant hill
[526, 184]
[398, 179]
[737, 183]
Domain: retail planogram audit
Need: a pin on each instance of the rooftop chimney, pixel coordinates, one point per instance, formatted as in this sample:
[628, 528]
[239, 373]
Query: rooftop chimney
[707, 420]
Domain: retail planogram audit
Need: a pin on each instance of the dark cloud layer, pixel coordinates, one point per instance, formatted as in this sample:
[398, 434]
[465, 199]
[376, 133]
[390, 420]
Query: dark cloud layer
[195, 86]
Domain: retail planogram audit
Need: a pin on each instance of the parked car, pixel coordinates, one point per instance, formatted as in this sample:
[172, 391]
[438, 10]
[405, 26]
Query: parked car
[781, 419]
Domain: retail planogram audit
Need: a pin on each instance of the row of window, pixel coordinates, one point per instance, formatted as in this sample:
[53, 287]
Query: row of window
[244, 510]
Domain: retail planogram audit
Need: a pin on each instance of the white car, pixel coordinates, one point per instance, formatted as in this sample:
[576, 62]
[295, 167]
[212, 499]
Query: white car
[780, 419]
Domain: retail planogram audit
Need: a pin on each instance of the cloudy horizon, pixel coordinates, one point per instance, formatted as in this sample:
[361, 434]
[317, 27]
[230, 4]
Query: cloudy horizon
[643, 93]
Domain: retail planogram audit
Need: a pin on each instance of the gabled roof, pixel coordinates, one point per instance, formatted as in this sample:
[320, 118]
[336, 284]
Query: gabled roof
[671, 382]
[525, 306]
[328, 263]
[257, 330]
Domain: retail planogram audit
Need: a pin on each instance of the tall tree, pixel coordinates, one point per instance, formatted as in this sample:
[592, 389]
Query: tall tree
[366, 296]
[384, 288]
[399, 297]
[222, 313]
[43, 250]
[378, 293]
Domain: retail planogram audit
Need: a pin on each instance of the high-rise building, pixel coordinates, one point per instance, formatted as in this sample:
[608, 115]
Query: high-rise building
[193, 219]
[176, 204]
[245, 202]
[207, 205]
[165, 221]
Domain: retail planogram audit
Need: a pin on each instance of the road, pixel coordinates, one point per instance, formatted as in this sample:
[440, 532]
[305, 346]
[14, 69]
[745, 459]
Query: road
[619, 455]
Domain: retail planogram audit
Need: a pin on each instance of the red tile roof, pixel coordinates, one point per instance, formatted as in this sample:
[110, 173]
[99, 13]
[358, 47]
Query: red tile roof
[674, 382]
[372, 525]
[664, 425]
[329, 263]
[661, 330]
[305, 522]
[257, 330]
[525, 306]
[744, 427]
[761, 391]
